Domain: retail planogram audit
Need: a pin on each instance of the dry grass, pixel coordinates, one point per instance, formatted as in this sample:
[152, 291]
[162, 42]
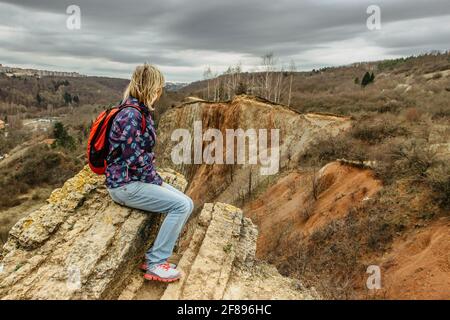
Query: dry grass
[438, 178]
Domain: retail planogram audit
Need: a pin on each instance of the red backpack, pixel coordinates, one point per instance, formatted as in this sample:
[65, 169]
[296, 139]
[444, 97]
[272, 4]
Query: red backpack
[98, 142]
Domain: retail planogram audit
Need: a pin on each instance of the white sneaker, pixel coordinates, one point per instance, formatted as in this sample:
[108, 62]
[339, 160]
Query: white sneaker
[143, 266]
[162, 272]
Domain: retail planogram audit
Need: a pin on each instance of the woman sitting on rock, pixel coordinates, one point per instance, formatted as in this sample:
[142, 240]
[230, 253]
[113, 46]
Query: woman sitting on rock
[131, 177]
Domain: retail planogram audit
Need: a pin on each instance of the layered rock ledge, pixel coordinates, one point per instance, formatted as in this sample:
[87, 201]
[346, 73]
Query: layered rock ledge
[82, 245]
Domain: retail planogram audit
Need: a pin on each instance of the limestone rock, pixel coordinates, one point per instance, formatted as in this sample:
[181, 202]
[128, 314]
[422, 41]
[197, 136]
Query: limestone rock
[220, 262]
[81, 245]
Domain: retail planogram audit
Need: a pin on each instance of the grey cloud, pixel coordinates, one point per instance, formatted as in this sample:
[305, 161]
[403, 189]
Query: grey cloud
[130, 32]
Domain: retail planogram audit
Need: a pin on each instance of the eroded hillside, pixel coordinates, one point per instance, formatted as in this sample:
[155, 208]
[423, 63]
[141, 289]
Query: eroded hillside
[326, 220]
[301, 203]
[233, 183]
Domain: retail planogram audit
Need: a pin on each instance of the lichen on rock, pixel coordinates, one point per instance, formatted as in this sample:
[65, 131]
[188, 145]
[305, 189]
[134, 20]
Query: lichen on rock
[82, 245]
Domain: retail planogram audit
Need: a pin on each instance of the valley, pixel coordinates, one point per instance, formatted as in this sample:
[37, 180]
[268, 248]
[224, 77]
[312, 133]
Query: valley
[363, 179]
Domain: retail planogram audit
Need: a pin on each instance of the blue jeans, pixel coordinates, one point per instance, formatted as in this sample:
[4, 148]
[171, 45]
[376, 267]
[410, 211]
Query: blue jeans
[155, 198]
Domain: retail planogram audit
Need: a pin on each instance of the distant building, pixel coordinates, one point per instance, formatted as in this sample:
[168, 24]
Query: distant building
[6, 69]
[19, 72]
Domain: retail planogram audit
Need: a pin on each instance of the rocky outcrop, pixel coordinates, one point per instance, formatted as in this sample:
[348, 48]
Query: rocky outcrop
[232, 183]
[81, 245]
[220, 263]
[209, 260]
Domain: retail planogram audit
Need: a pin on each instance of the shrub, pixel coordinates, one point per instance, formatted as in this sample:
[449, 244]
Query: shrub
[440, 112]
[15, 137]
[413, 115]
[437, 76]
[62, 137]
[415, 157]
[438, 179]
[40, 166]
[392, 106]
[330, 149]
[374, 133]
[404, 159]
[241, 88]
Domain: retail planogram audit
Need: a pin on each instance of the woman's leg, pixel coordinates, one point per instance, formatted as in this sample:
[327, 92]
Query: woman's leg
[168, 186]
[155, 198]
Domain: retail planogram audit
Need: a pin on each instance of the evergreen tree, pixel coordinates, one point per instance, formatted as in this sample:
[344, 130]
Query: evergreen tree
[366, 79]
[62, 137]
[67, 98]
[39, 99]
[241, 88]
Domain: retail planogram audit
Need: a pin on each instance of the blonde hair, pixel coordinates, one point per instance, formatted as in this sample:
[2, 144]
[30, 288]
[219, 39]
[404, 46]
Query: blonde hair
[145, 85]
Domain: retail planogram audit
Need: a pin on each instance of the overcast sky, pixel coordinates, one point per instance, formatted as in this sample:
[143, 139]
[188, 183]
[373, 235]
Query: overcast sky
[184, 36]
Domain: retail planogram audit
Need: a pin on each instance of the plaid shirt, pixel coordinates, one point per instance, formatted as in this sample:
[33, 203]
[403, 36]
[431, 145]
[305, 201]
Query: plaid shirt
[136, 159]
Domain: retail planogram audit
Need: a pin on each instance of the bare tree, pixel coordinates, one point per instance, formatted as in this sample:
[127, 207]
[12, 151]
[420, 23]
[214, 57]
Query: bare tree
[292, 70]
[231, 79]
[227, 79]
[268, 62]
[236, 76]
[207, 75]
[278, 86]
[216, 81]
[252, 83]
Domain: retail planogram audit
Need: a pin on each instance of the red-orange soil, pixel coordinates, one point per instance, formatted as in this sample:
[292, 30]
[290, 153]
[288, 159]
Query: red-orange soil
[278, 212]
[418, 266]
